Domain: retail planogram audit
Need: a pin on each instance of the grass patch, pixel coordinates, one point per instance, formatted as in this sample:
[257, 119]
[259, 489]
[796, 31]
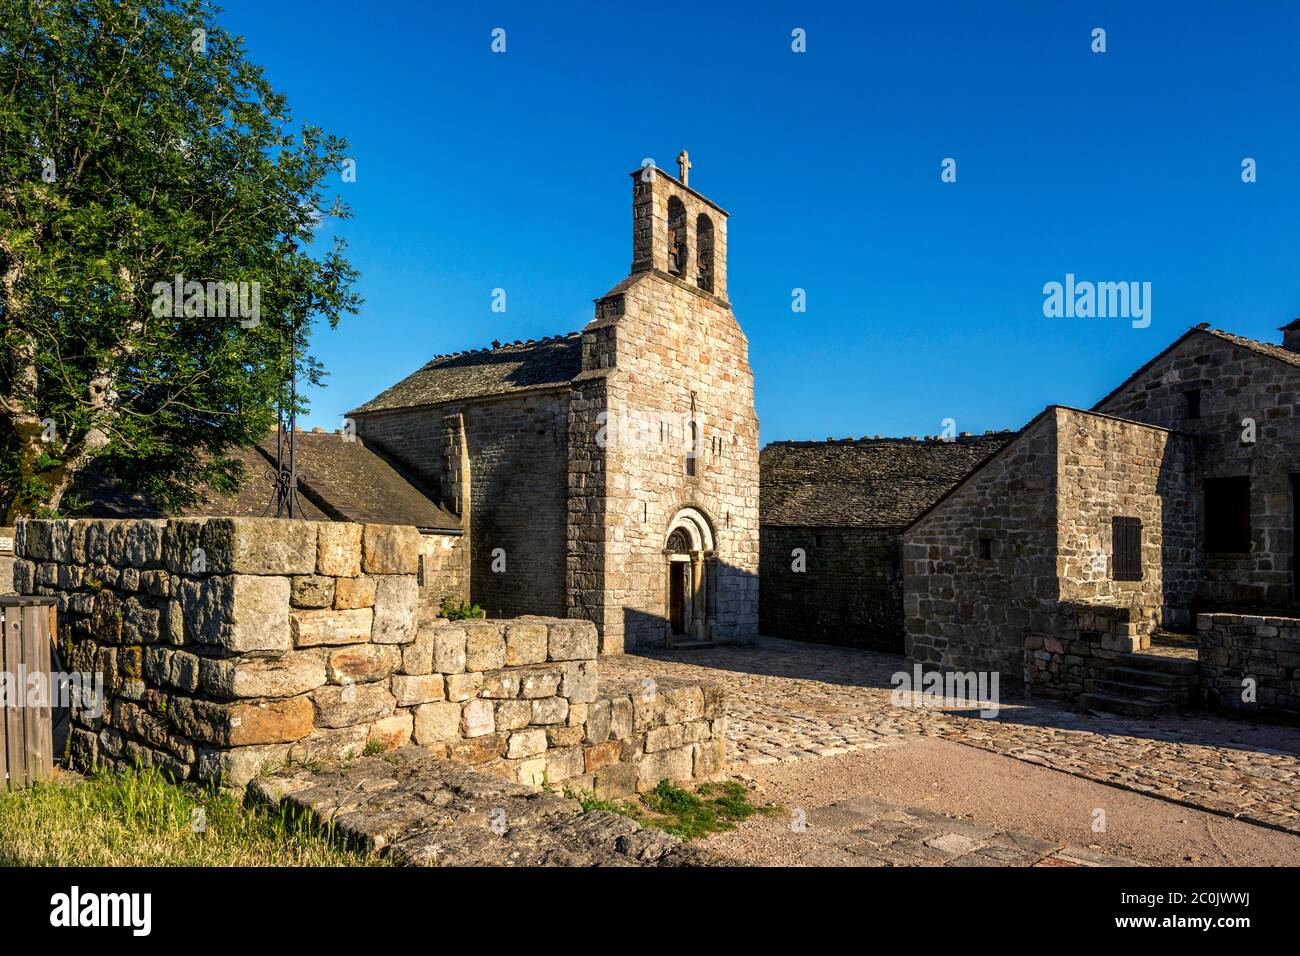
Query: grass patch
[711, 808]
[139, 818]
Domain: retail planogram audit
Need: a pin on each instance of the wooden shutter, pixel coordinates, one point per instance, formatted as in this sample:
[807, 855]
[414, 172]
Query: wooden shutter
[1126, 549]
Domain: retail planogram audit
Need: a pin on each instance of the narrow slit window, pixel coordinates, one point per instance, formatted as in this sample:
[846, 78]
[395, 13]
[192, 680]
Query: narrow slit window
[1193, 398]
[986, 549]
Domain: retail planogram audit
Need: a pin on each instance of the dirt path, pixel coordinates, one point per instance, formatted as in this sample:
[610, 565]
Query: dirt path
[887, 807]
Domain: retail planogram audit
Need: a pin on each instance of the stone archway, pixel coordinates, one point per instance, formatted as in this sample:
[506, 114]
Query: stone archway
[689, 575]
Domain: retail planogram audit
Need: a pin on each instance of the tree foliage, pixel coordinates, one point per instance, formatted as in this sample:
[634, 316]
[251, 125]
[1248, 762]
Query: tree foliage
[137, 145]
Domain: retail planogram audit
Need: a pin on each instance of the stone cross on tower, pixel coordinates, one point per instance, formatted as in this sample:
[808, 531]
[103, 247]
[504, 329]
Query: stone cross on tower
[684, 164]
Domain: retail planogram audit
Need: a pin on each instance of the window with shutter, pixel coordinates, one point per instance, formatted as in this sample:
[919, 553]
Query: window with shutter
[1126, 549]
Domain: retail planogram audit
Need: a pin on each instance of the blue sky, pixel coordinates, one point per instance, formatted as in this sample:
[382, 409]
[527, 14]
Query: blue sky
[925, 299]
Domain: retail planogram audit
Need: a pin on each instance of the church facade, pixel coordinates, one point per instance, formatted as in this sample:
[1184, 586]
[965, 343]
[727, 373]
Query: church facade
[610, 474]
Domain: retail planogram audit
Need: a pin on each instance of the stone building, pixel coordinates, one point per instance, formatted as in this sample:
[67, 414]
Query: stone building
[832, 517]
[609, 474]
[340, 478]
[1091, 530]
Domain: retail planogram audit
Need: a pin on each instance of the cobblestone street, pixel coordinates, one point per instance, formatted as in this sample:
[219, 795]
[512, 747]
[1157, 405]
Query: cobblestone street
[792, 701]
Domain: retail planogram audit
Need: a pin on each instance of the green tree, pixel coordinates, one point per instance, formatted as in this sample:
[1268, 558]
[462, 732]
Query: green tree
[138, 145]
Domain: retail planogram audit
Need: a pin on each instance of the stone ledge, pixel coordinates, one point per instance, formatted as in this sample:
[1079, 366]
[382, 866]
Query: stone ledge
[421, 811]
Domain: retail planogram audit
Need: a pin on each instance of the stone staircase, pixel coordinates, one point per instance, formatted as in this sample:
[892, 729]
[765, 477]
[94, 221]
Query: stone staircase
[1143, 685]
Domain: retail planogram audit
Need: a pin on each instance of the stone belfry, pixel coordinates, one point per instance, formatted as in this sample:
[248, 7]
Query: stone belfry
[677, 231]
[663, 438]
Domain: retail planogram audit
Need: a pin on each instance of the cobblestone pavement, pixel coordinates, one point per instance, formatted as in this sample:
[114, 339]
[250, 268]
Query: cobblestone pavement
[789, 700]
[865, 831]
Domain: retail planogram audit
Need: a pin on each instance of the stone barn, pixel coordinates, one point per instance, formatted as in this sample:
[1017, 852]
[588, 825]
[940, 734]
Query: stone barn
[609, 474]
[833, 513]
[1059, 559]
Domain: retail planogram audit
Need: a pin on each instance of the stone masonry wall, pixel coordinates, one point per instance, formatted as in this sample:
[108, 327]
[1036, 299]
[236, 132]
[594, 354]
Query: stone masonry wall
[673, 346]
[1234, 647]
[1110, 468]
[517, 453]
[230, 645]
[964, 612]
[850, 591]
[1235, 383]
[1088, 640]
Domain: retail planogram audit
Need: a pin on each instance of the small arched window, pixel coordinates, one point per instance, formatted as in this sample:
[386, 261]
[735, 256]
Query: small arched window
[704, 252]
[692, 449]
[677, 252]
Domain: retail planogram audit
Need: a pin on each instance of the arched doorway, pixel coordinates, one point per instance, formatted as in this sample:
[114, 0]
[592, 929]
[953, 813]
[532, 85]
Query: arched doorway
[689, 578]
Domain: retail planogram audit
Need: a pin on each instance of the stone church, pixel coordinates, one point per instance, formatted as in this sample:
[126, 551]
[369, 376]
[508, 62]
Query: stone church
[609, 474]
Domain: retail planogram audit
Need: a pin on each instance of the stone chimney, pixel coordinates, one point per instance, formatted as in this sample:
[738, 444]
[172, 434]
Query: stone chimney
[1291, 336]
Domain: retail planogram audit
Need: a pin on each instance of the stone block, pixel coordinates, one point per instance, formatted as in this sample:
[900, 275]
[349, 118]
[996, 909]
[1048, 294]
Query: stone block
[485, 646]
[525, 644]
[664, 738]
[390, 549]
[417, 657]
[477, 717]
[242, 613]
[312, 591]
[336, 743]
[363, 663]
[437, 723]
[563, 736]
[351, 704]
[499, 685]
[449, 655]
[620, 718]
[600, 756]
[616, 781]
[389, 733]
[580, 682]
[597, 727]
[682, 704]
[328, 627]
[463, 686]
[351, 593]
[287, 676]
[338, 550]
[259, 546]
[536, 682]
[484, 749]
[526, 743]
[513, 714]
[396, 598]
[550, 710]
[563, 764]
[571, 641]
[236, 767]
[413, 690]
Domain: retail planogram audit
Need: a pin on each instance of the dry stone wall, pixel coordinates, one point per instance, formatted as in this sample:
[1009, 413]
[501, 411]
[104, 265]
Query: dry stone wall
[1236, 648]
[229, 645]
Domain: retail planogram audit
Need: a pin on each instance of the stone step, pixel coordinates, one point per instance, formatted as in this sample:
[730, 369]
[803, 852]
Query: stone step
[691, 645]
[1134, 675]
[1154, 662]
[1148, 692]
[1120, 705]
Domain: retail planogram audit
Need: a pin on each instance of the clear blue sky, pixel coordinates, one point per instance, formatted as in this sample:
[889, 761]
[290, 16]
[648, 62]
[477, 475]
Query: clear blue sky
[478, 170]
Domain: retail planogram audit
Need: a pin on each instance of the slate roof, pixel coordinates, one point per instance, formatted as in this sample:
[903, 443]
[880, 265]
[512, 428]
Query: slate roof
[881, 483]
[340, 481]
[513, 367]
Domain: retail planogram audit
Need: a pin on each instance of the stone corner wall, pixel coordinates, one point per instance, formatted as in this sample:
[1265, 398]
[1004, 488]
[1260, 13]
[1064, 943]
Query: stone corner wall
[1237, 647]
[226, 646]
[7, 560]
[1087, 639]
